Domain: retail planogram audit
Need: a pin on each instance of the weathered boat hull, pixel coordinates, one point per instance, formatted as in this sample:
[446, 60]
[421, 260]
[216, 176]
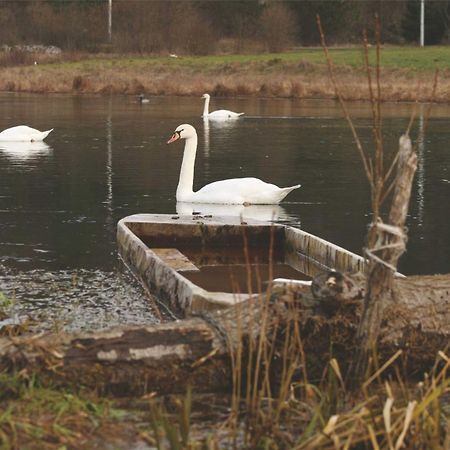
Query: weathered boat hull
[153, 246]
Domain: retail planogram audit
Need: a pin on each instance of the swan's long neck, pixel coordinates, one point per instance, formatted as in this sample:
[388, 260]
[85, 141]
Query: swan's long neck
[186, 182]
[206, 107]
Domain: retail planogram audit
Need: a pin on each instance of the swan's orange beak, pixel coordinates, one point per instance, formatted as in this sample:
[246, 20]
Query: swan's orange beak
[175, 137]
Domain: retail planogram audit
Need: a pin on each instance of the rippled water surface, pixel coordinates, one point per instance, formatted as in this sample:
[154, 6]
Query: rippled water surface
[107, 158]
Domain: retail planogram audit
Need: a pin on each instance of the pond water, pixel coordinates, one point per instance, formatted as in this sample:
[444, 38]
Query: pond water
[107, 158]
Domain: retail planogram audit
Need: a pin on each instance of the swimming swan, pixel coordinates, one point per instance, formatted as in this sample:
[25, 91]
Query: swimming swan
[220, 114]
[235, 191]
[23, 133]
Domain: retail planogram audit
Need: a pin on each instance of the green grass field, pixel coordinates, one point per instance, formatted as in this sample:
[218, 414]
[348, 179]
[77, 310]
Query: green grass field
[413, 58]
[296, 74]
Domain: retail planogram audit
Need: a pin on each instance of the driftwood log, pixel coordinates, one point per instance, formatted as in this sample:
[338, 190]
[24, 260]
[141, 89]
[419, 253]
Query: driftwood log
[165, 358]
[387, 242]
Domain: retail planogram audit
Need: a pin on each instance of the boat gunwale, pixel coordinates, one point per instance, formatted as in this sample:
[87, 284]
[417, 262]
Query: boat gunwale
[171, 286]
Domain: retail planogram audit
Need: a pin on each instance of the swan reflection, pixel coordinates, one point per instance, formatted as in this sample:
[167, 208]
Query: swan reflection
[24, 150]
[254, 212]
[206, 136]
[209, 123]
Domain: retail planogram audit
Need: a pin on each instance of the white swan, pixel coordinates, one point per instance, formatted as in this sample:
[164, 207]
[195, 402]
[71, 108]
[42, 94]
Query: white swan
[220, 114]
[235, 191]
[23, 133]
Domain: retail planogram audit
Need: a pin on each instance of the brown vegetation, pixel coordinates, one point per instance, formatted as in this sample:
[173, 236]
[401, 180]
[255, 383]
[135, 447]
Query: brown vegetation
[266, 352]
[263, 79]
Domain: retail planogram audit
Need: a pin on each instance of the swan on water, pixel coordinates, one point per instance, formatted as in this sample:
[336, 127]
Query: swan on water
[235, 191]
[220, 114]
[23, 133]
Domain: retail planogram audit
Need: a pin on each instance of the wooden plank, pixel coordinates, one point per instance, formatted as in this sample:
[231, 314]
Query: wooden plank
[174, 259]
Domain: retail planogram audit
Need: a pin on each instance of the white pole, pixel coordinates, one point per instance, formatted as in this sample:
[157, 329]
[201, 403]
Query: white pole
[422, 23]
[109, 21]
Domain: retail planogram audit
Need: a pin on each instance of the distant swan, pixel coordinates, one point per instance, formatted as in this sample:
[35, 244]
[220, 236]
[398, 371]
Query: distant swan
[220, 114]
[235, 191]
[23, 133]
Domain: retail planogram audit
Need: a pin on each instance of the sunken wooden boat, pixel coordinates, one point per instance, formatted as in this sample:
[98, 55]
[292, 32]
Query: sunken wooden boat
[195, 263]
[198, 351]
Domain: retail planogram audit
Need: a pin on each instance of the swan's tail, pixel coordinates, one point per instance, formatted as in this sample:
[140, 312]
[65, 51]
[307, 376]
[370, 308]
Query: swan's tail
[44, 134]
[36, 137]
[285, 191]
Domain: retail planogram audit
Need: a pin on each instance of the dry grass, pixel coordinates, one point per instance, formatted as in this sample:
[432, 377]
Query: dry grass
[274, 405]
[35, 416]
[271, 78]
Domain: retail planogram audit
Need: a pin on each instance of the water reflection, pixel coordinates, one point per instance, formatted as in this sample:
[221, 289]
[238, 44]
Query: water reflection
[225, 127]
[109, 170]
[99, 173]
[24, 150]
[254, 212]
[421, 168]
[205, 136]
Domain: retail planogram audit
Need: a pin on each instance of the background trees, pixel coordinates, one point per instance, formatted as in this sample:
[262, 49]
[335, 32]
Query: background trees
[202, 27]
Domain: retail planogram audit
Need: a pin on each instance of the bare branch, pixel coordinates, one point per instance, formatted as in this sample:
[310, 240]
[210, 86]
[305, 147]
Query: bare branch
[392, 166]
[413, 114]
[390, 187]
[344, 108]
[378, 40]
[433, 98]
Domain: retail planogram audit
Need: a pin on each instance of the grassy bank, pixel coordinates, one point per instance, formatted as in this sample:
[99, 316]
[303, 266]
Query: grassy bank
[407, 74]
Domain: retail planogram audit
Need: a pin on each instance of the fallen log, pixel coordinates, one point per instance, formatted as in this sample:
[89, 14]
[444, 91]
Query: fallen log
[165, 358]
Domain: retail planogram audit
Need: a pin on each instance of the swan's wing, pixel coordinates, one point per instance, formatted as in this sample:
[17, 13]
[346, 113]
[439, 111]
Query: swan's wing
[238, 191]
[236, 185]
[19, 132]
[243, 190]
[224, 114]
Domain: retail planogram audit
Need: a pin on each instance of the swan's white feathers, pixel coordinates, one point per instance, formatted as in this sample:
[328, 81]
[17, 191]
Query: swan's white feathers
[23, 133]
[223, 114]
[242, 190]
[220, 114]
[235, 191]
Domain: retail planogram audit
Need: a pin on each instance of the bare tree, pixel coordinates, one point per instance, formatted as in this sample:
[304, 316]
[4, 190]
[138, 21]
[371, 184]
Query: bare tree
[385, 241]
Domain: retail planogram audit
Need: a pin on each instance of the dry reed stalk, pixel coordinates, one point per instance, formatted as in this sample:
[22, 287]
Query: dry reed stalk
[236, 365]
[389, 426]
[286, 80]
[365, 160]
[253, 359]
